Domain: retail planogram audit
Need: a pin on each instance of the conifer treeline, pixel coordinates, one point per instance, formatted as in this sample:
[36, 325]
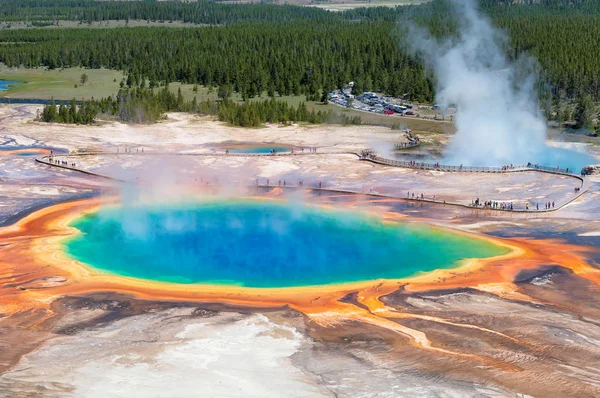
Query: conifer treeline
[197, 12]
[139, 105]
[283, 58]
[295, 50]
[214, 13]
[84, 113]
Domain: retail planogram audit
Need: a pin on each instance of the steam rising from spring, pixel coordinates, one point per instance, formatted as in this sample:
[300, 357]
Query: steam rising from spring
[498, 120]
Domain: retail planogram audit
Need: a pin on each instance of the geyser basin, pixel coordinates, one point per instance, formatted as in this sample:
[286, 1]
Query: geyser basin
[262, 244]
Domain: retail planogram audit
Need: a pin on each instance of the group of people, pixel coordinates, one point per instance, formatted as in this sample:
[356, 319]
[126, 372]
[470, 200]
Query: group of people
[422, 197]
[61, 162]
[508, 205]
[412, 141]
[283, 183]
[558, 169]
[492, 204]
[128, 150]
[548, 205]
[508, 167]
[367, 154]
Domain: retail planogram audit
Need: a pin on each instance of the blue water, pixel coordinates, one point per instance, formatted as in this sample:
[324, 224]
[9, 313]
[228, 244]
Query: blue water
[258, 149]
[262, 244]
[574, 158]
[4, 84]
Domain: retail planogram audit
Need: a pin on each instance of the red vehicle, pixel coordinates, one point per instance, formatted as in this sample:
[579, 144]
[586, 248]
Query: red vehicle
[389, 112]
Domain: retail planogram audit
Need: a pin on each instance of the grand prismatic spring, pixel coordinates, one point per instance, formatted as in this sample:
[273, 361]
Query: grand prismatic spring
[263, 244]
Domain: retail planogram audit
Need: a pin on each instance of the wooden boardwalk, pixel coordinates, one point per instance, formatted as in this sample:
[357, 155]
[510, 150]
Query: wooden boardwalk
[584, 184]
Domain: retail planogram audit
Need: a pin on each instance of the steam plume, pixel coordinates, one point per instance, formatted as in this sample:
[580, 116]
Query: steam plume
[498, 119]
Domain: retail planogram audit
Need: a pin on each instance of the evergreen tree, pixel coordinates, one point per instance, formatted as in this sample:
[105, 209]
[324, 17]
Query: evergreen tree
[224, 91]
[584, 112]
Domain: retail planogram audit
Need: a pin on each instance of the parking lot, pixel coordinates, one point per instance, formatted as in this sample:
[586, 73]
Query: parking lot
[385, 105]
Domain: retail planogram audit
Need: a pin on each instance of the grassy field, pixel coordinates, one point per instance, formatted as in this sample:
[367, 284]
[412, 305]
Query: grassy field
[39, 83]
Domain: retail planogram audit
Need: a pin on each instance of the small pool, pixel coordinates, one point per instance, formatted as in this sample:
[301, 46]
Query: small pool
[262, 244]
[5, 84]
[27, 151]
[257, 148]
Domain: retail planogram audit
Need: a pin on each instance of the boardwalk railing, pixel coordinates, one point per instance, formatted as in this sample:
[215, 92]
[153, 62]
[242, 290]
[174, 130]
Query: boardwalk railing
[53, 160]
[473, 169]
[365, 155]
[412, 142]
[407, 145]
[208, 154]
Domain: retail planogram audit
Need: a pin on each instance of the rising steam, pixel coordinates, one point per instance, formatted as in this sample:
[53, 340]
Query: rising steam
[498, 119]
